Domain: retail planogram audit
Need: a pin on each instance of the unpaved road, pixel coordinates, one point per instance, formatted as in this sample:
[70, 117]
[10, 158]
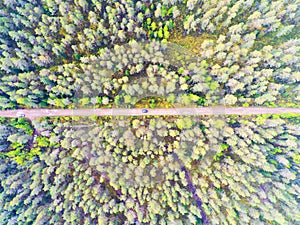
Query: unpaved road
[34, 113]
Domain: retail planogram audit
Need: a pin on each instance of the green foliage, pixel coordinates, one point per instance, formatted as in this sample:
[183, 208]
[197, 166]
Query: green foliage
[77, 56]
[238, 54]
[42, 141]
[23, 124]
[150, 170]
[220, 155]
[232, 121]
[19, 148]
[296, 158]
[201, 101]
[275, 151]
[224, 146]
[156, 173]
[127, 72]
[153, 103]
[184, 123]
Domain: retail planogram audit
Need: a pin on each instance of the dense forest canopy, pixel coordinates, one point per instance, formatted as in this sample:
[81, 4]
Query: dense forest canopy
[67, 54]
[150, 169]
[158, 170]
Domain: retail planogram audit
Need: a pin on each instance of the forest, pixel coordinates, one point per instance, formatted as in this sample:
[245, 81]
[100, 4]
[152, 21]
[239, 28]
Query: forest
[78, 53]
[168, 170]
[154, 170]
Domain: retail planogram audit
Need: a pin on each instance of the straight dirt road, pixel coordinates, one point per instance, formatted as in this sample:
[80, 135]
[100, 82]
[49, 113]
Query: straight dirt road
[34, 113]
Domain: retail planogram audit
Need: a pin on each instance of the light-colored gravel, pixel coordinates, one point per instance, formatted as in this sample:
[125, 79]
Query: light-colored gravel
[33, 113]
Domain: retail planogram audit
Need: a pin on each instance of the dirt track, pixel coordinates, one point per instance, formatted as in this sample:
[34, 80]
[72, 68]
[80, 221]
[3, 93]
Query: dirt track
[33, 113]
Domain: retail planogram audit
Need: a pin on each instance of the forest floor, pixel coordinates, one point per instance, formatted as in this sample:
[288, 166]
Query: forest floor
[34, 113]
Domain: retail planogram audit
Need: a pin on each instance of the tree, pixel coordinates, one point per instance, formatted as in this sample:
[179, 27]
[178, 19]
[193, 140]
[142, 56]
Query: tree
[230, 99]
[5, 132]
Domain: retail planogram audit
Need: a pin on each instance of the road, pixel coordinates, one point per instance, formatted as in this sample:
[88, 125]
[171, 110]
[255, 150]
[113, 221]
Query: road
[34, 113]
